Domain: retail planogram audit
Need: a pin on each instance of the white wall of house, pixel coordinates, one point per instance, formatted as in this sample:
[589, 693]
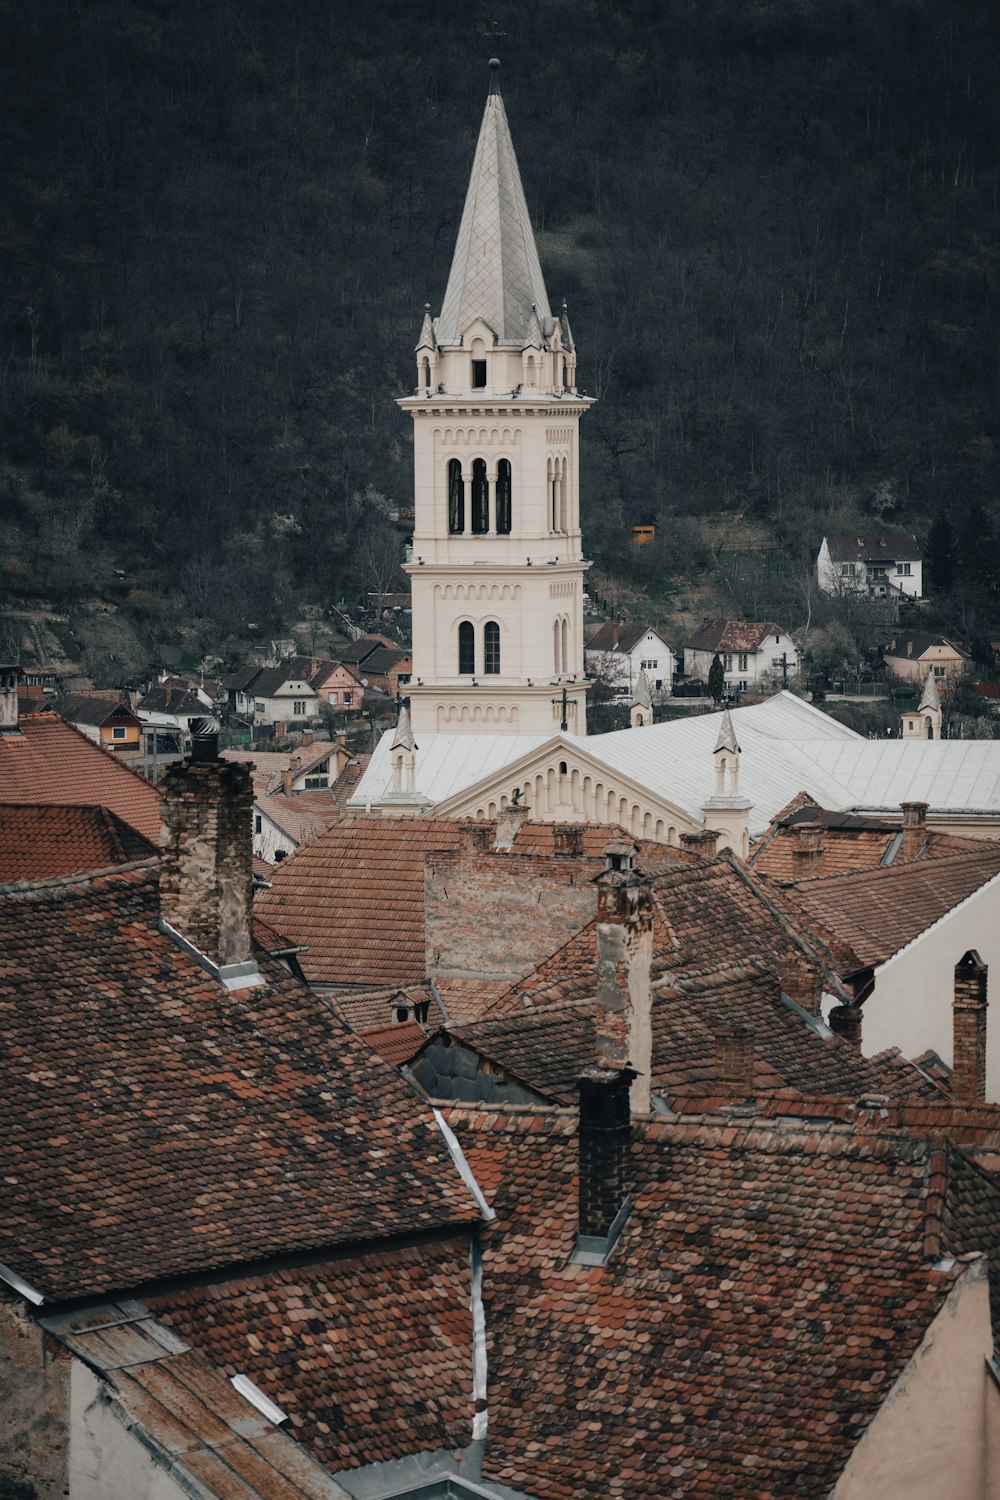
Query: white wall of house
[911, 1005]
[930, 1437]
[105, 1459]
[945, 660]
[268, 838]
[620, 669]
[746, 668]
[294, 703]
[860, 577]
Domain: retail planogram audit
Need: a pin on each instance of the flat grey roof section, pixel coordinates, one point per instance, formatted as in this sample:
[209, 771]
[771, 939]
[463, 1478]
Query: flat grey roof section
[437, 1475]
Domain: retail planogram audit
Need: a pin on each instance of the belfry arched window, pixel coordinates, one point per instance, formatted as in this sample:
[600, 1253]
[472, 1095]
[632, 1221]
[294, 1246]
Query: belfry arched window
[503, 497]
[491, 648]
[456, 496]
[426, 367]
[466, 649]
[564, 632]
[480, 497]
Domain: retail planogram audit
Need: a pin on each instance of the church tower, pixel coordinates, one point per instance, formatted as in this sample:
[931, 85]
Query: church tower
[497, 568]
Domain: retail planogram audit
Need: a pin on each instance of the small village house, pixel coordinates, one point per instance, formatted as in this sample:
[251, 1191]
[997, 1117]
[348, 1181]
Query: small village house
[751, 651]
[882, 564]
[617, 653]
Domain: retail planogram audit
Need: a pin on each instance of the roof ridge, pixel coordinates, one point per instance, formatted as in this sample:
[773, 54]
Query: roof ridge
[19, 890]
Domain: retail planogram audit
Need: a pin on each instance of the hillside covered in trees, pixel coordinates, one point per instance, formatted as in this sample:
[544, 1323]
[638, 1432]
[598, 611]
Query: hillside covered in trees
[775, 224]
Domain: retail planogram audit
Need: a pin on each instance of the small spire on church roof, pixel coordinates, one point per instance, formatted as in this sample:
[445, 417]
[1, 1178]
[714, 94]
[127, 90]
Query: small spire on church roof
[567, 332]
[404, 732]
[930, 698]
[727, 736]
[495, 272]
[643, 695]
[427, 339]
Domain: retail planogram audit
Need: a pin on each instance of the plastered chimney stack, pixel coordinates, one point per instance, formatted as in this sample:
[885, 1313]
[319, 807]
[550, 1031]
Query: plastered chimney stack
[968, 1064]
[624, 970]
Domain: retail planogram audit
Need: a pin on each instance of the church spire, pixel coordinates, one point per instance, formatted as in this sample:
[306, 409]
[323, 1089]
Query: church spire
[495, 272]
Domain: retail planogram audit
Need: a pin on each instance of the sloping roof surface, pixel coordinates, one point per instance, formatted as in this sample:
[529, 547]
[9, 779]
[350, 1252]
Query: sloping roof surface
[731, 635]
[51, 761]
[446, 763]
[371, 1358]
[615, 637]
[769, 1286]
[204, 1434]
[495, 274]
[84, 708]
[920, 641]
[57, 839]
[155, 1124]
[874, 915]
[878, 775]
[873, 546]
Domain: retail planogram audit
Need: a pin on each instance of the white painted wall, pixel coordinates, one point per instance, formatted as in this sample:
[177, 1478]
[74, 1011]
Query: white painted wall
[910, 1007]
[105, 1460]
[759, 663]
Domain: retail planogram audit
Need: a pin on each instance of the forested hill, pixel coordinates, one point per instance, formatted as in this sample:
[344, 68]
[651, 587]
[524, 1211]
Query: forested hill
[775, 224]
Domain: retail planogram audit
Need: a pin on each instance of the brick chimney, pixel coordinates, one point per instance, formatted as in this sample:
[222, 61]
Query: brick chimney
[509, 820]
[605, 1138]
[287, 777]
[205, 878]
[704, 843]
[623, 978]
[567, 840]
[914, 831]
[802, 981]
[807, 850]
[845, 1021]
[8, 700]
[968, 1067]
[734, 1058]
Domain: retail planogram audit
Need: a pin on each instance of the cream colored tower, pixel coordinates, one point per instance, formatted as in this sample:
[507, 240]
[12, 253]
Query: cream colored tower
[497, 569]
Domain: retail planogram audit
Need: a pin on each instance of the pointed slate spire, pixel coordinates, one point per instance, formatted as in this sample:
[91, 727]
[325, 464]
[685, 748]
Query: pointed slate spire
[931, 698]
[404, 732]
[727, 736]
[495, 273]
[427, 339]
[567, 332]
[643, 695]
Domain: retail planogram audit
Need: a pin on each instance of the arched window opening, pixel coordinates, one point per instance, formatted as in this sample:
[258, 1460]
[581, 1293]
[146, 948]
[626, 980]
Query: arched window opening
[491, 645]
[531, 370]
[564, 634]
[480, 497]
[563, 768]
[565, 376]
[556, 644]
[456, 497]
[503, 497]
[563, 518]
[478, 352]
[466, 649]
[427, 373]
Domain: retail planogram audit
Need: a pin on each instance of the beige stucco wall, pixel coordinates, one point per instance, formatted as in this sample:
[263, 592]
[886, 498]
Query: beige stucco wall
[910, 1007]
[915, 669]
[928, 1441]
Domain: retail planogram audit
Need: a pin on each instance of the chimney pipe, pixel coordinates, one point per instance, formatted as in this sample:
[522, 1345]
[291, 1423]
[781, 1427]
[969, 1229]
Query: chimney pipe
[807, 850]
[734, 1054]
[704, 843]
[605, 1138]
[567, 840]
[914, 831]
[802, 981]
[845, 1021]
[8, 699]
[968, 1066]
[205, 877]
[287, 777]
[624, 970]
[509, 820]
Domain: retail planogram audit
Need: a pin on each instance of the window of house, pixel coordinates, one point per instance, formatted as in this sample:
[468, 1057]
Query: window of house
[258, 707]
[744, 662]
[503, 497]
[649, 666]
[480, 497]
[456, 496]
[727, 662]
[258, 823]
[903, 569]
[939, 671]
[348, 699]
[479, 374]
[466, 649]
[117, 731]
[491, 644]
[298, 707]
[846, 569]
[315, 783]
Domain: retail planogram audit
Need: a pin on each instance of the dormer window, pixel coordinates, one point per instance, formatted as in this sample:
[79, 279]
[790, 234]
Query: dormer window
[479, 374]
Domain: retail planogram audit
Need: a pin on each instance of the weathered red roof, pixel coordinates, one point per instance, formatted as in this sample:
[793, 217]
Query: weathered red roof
[58, 839]
[49, 760]
[731, 635]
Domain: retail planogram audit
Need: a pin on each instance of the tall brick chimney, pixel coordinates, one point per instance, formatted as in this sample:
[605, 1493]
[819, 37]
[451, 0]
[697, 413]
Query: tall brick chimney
[802, 981]
[705, 842]
[734, 1058]
[605, 1137]
[968, 1066]
[845, 1021]
[914, 831]
[624, 962]
[8, 700]
[807, 850]
[205, 878]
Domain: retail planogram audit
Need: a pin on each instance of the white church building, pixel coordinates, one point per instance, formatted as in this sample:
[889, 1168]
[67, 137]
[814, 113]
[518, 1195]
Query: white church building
[498, 693]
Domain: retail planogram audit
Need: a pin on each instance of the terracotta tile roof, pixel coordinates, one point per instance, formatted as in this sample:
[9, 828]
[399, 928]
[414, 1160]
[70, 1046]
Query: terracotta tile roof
[50, 761]
[374, 1009]
[155, 1124]
[397, 1043]
[370, 1358]
[302, 815]
[58, 839]
[268, 765]
[770, 1285]
[355, 898]
[173, 698]
[872, 916]
[615, 637]
[468, 999]
[731, 635]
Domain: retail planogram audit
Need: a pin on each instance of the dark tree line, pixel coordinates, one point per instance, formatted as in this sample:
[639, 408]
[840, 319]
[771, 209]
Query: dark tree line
[776, 227]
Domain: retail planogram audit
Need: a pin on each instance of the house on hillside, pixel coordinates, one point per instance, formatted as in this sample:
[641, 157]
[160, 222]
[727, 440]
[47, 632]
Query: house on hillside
[109, 723]
[175, 703]
[882, 564]
[912, 656]
[750, 651]
[617, 653]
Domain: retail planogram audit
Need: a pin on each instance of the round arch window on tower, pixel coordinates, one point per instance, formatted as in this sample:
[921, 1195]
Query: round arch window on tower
[466, 649]
[491, 648]
[503, 497]
[456, 497]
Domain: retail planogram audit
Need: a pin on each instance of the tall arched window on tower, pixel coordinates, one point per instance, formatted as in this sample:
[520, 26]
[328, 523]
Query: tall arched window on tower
[503, 497]
[491, 648]
[480, 497]
[556, 648]
[426, 367]
[466, 649]
[456, 497]
[564, 632]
